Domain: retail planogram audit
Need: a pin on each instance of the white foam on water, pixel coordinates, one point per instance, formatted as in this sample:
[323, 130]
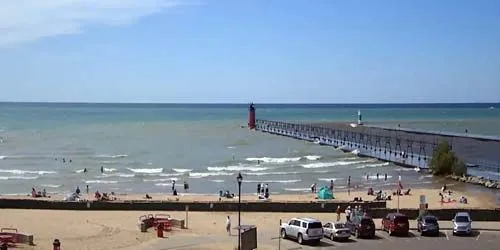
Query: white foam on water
[330, 179]
[270, 173]
[380, 177]
[18, 177]
[2, 157]
[112, 156]
[51, 185]
[373, 165]
[298, 189]
[217, 181]
[333, 164]
[182, 170]
[274, 160]
[21, 172]
[163, 179]
[168, 174]
[237, 168]
[109, 169]
[313, 157]
[207, 174]
[120, 175]
[321, 171]
[146, 170]
[271, 181]
[100, 182]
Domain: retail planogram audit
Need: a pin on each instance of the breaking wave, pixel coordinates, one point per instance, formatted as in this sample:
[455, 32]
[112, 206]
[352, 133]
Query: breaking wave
[237, 168]
[333, 164]
[146, 170]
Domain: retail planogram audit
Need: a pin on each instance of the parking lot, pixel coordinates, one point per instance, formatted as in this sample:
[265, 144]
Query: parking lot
[484, 240]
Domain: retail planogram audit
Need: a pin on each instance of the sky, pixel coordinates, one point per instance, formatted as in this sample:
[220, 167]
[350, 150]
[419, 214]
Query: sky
[239, 51]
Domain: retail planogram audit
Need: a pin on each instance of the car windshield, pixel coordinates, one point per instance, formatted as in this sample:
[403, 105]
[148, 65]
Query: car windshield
[430, 220]
[339, 225]
[461, 219]
[315, 225]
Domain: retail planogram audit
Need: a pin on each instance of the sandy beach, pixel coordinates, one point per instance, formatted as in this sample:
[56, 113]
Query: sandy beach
[475, 199]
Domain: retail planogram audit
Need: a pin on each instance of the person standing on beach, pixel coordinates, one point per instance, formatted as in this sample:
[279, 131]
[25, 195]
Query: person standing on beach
[348, 213]
[186, 186]
[258, 189]
[173, 185]
[385, 177]
[349, 186]
[377, 176]
[313, 188]
[266, 192]
[338, 213]
[228, 225]
[102, 169]
[331, 186]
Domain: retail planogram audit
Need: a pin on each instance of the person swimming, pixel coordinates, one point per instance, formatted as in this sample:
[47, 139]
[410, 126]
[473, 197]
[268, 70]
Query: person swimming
[85, 170]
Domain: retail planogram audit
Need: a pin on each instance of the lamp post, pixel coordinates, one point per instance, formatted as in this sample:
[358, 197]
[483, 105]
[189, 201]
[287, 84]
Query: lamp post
[240, 180]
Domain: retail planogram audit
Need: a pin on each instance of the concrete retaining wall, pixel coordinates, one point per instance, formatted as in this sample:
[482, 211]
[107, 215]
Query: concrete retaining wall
[181, 206]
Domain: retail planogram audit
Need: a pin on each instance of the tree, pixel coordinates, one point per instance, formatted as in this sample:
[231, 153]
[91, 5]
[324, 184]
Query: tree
[444, 161]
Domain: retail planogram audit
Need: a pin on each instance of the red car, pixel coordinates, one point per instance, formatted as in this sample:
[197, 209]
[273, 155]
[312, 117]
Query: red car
[396, 223]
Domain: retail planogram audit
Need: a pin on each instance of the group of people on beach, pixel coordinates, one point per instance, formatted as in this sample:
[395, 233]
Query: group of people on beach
[263, 191]
[174, 189]
[367, 175]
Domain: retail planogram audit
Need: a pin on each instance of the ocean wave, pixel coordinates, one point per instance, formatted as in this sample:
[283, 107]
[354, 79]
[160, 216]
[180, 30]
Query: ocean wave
[207, 174]
[51, 185]
[298, 189]
[217, 181]
[18, 177]
[381, 177]
[274, 160]
[112, 156]
[120, 175]
[333, 164]
[373, 165]
[18, 171]
[272, 181]
[100, 182]
[182, 170]
[237, 168]
[313, 157]
[109, 169]
[146, 170]
[330, 179]
[270, 173]
[168, 174]
[163, 179]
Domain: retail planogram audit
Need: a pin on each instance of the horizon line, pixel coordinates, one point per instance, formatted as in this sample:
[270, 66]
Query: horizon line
[246, 103]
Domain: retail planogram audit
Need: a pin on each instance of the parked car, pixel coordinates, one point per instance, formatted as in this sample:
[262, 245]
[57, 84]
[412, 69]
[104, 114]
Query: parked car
[462, 224]
[427, 225]
[303, 230]
[396, 223]
[336, 231]
[361, 226]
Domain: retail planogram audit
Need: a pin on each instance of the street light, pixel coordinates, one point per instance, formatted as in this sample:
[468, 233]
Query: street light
[239, 178]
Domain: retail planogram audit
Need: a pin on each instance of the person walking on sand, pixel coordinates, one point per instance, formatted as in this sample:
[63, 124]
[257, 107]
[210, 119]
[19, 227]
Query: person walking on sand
[228, 225]
[338, 213]
[348, 213]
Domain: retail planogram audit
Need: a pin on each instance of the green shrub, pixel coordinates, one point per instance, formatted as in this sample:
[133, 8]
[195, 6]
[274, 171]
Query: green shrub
[444, 161]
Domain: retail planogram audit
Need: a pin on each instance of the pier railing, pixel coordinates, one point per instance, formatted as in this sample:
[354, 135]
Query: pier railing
[347, 140]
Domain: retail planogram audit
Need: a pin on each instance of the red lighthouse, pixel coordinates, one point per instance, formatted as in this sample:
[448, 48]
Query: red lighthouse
[251, 116]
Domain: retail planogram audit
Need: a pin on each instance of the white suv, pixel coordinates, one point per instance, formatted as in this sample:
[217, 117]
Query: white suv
[302, 229]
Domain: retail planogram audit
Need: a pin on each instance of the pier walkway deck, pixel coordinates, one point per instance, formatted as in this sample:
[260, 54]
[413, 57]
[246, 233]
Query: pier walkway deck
[402, 146]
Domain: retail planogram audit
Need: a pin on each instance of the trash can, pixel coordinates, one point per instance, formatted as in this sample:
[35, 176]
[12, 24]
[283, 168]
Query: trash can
[144, 227]
[248, 237]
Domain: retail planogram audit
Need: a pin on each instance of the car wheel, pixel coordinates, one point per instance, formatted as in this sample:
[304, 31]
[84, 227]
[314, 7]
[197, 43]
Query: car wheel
[332, 237]
[283, 233]
[299, 239]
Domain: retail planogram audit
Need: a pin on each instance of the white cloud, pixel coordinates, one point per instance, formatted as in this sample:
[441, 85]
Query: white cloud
[30, 20]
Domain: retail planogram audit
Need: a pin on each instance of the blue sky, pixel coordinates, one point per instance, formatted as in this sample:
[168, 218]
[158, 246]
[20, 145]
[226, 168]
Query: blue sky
[237, 51]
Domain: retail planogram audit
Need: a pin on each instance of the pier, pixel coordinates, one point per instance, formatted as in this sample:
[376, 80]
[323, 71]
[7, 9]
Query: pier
[406, 147]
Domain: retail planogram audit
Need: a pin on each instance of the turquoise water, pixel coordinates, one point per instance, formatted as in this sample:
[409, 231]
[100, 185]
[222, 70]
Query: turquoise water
[144, 147]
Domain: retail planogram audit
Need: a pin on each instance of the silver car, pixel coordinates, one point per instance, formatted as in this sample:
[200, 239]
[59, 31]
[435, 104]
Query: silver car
[336, 231]
[462, 224]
